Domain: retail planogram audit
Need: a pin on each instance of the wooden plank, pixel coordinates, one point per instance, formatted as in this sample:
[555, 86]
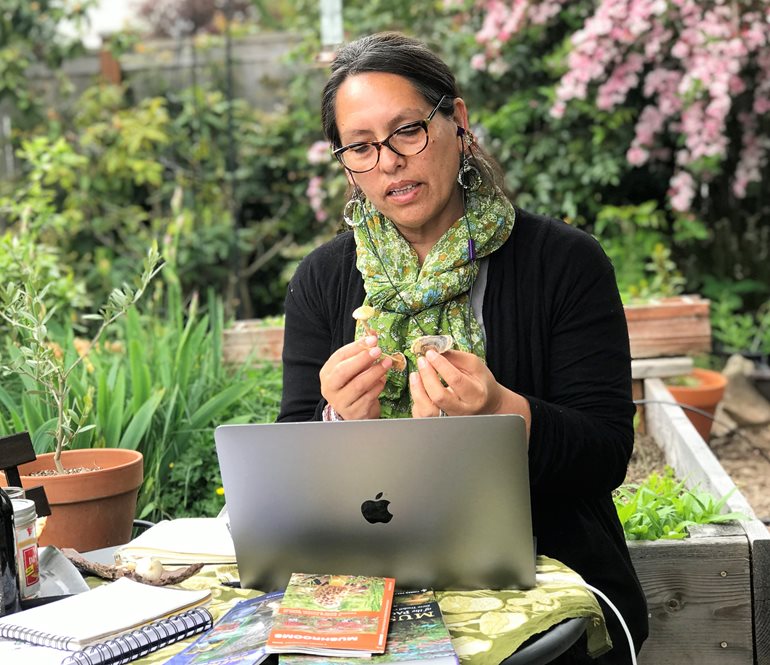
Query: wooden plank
[252, 339]
[759, 543]
[651, 346]
[699, 600]
[694, 461]
[690, 306]
[669, 327]
[646, 368]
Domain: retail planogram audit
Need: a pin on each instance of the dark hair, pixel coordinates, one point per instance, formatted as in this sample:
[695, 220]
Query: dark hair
[394, 53]
[390, 53]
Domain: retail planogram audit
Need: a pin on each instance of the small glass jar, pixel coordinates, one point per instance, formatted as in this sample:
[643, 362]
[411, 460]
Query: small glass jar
[14, 492]
[24, 516]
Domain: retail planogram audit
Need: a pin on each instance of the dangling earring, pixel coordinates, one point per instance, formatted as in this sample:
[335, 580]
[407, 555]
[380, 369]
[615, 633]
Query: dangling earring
[469, 176]
[350, 209]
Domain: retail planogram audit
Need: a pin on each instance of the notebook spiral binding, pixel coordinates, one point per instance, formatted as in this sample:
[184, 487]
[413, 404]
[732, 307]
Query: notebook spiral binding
[138, 643]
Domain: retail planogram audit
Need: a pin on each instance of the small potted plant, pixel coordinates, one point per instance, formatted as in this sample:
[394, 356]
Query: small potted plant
[701, 389]
[74, 479]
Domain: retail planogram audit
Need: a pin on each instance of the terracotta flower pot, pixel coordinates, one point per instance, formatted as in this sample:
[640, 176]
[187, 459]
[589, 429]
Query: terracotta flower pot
[89, 509]
[705, 396]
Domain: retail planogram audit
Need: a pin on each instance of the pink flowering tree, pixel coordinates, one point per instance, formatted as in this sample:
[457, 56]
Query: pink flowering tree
[698, 70]
[644, 120]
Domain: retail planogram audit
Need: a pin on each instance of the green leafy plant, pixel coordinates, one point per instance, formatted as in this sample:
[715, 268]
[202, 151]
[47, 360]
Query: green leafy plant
[685, 381]
[32, 353]
[171, 381]
[741, 331]
[193, 484]
[31, 34]
[663, 508]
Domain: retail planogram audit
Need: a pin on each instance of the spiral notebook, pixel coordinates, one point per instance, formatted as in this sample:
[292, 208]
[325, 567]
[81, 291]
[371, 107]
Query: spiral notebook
[117, 620]
[119, 650]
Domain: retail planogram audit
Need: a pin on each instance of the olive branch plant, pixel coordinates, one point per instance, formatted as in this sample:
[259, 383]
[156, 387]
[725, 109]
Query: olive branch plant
[33, 353]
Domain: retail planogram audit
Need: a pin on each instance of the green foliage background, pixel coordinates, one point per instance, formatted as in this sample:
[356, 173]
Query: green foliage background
[223, 188]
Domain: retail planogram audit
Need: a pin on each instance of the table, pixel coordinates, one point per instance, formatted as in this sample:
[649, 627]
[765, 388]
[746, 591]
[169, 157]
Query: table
[486, 626]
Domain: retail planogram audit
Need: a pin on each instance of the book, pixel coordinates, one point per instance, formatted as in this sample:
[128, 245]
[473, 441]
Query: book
[417, 636]
[333, 615]
[119, 650]
[238, 638]
[183, 541]
[97, 615]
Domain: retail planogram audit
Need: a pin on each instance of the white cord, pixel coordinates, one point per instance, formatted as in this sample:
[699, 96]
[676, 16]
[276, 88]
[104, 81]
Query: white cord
[550, 577]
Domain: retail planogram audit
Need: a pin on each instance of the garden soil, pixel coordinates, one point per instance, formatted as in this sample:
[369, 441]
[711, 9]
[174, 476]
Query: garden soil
[740, 439]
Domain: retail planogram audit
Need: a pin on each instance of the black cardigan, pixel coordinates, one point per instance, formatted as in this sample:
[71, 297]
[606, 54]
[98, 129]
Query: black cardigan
[556, 334]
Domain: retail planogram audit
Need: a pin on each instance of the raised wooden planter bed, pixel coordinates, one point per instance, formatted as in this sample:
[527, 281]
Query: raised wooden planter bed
[669, 327]
[708, 595]
[252, 339]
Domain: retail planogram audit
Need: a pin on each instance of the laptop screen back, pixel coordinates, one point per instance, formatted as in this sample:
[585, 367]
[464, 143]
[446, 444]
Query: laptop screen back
[434, 502]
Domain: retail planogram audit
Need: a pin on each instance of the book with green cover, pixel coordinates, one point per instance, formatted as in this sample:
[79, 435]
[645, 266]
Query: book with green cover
[334, 615]
[417, 635]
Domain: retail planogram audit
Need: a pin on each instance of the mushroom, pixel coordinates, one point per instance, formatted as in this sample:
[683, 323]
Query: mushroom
[399, 361]
[149, 568]
[439, 343]
[363, 314]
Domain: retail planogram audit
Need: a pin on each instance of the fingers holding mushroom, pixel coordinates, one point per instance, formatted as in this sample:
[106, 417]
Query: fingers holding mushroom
[439, 343]
[363, 314]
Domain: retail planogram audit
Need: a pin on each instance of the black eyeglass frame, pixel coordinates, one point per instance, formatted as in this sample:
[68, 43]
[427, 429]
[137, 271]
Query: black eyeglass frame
[338, 152]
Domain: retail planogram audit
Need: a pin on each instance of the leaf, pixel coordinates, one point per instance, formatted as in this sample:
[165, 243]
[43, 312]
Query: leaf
[141, 381]
[141, 422]
[33, 414]
[42, 438]
[113, 424]
[217, 404]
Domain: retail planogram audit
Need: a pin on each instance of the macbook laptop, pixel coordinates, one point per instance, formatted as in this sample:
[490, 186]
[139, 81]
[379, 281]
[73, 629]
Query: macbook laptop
[434, 502]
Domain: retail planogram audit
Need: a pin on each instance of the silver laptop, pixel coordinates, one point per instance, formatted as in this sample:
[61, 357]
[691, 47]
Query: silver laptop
[434, 502]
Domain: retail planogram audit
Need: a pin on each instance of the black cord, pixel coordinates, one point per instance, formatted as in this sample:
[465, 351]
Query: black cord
[681, 406]
[471, 245]
[686, 407]
[730, 430]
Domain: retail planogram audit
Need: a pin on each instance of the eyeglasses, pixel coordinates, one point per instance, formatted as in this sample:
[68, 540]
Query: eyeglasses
[407, 140]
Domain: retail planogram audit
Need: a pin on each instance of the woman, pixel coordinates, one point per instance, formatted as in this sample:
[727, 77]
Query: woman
[531, 304]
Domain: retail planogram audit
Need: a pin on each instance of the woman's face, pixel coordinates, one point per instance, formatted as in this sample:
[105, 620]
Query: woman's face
[419, 193]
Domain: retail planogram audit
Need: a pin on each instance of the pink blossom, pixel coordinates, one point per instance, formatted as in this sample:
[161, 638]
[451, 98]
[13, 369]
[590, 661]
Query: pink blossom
[681, 191]
[637, 156]
[478, 61]
[694, 62]
[557, 110]
[319, 152]
[315, 195]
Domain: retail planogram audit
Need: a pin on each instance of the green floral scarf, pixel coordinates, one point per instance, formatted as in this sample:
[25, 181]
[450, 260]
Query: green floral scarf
[432, 299]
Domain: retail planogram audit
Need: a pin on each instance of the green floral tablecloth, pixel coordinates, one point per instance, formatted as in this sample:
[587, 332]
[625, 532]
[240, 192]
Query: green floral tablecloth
[486, 626]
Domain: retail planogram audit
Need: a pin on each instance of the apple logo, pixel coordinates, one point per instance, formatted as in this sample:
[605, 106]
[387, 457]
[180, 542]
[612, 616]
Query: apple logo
[376, 510]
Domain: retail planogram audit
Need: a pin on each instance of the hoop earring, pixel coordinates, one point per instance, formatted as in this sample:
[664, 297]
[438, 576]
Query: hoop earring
[469, 176]
[350, 208]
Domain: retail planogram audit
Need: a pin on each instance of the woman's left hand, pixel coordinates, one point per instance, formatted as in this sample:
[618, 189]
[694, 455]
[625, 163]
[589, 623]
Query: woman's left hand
[468, 387]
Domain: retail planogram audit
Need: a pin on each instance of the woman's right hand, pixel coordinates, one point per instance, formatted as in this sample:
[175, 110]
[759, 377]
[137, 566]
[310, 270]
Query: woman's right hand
[352, 379]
